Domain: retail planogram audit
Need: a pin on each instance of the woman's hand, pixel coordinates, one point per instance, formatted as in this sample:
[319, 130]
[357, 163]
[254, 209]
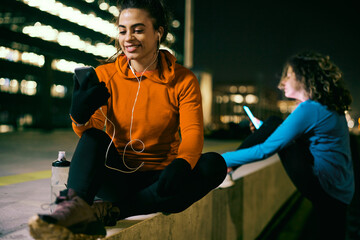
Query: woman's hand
[87, 99]
[251, 125]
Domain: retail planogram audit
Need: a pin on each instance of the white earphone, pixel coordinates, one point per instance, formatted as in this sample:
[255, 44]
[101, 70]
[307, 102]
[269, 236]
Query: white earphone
[131, 169]
[159, 34]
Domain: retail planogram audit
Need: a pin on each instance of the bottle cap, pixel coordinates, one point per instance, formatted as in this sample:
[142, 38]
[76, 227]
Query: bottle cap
[61, 155]
[61, 161]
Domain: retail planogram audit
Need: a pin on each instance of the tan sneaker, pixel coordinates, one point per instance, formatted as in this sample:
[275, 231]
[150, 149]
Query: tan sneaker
[73, 218]
[228, 182]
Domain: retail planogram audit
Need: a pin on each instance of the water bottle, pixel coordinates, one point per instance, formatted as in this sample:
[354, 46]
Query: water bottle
[59, 175]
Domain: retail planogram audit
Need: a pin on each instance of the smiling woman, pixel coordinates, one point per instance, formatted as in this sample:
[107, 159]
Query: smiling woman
[141, 25]
[140, 164]
[138, 38]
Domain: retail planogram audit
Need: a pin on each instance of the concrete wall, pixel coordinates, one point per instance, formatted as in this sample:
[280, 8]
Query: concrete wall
[238, 212]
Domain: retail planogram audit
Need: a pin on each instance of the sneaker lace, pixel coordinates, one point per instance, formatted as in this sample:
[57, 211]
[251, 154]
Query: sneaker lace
[106, 212]
[62, 197]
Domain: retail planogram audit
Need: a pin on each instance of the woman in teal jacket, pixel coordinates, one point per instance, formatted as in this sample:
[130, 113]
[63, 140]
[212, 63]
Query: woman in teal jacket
[313, 141]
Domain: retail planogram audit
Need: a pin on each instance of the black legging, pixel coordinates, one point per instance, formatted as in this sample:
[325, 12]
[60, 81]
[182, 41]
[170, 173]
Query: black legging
[298, 164]
[135, 193]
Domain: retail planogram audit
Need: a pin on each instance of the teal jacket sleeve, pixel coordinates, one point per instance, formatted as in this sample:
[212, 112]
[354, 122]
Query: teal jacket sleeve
[296, 124]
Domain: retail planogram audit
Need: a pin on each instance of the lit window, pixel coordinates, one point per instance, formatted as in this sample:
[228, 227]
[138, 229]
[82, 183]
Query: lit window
[237, 109]
[28, 87]
[9, 54]
[65, 66]
[4, 84]
[69, 39]
[104, 6]
[25, 57]
[58, 91]
[33, 59]
[76, 16]
[242, 89]
[170, 38]
[233, 89]
[237, 98]
[6, 128]
[283, 107]
[251, 99]
[225, 99]
[27, 119]
[175, 24]
[114, 11]
[14, 86]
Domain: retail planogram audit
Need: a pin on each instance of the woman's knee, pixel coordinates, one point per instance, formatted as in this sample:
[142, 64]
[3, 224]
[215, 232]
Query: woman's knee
[209, 173]
[212, 165]
[213, 160]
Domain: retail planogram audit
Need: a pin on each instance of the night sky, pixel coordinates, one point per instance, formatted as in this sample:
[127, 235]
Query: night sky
[250, 40]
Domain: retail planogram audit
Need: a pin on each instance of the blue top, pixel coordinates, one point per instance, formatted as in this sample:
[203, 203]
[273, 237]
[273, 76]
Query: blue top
[328, 135]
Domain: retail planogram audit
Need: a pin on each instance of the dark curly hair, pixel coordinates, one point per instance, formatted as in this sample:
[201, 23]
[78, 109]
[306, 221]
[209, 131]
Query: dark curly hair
[321, 79]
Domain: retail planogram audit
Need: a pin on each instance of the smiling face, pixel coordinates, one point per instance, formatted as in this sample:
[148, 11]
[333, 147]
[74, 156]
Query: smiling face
[137, 37]
[292, 87]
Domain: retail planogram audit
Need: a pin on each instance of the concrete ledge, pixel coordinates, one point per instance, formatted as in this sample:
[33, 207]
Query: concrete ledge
[239, 212]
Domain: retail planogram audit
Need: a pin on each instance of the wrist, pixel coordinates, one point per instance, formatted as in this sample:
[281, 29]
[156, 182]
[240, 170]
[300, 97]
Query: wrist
[78, 124]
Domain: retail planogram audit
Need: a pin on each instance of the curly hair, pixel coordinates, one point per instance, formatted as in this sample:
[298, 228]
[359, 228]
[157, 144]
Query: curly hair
[321, 79]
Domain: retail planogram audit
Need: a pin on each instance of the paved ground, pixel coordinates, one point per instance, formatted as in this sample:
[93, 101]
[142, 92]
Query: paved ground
[25, 160]
[25, 168]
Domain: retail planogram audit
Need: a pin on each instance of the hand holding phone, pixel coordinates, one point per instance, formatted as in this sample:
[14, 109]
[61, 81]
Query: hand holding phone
[86, 76]
[89, 94]
[256, 122]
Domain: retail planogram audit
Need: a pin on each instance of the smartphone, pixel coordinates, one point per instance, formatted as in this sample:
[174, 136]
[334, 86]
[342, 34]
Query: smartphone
[257, 123]
[81, 74]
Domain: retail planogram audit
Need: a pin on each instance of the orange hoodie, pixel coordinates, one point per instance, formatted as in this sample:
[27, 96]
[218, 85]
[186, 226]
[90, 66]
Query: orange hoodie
[164, 106]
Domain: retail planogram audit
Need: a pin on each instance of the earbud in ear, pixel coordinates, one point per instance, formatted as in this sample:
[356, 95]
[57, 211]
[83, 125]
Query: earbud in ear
[159, 36]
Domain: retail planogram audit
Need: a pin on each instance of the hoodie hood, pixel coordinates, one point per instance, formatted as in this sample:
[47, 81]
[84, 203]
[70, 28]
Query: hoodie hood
[168, 68]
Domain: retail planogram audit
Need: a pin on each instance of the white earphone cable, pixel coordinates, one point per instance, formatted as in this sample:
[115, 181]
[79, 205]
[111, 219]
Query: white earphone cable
[131, 125]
